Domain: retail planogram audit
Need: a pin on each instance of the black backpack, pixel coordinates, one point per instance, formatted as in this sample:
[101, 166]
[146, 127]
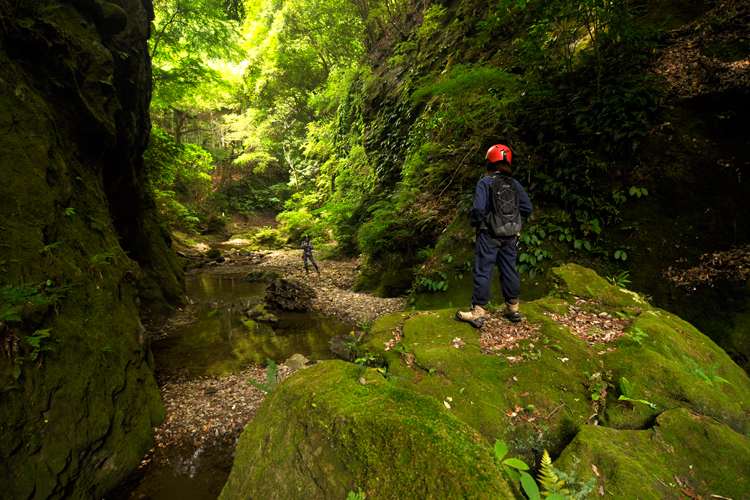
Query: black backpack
[504, 216]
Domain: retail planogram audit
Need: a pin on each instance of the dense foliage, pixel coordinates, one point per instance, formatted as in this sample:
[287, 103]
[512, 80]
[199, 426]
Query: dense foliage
[379, 150]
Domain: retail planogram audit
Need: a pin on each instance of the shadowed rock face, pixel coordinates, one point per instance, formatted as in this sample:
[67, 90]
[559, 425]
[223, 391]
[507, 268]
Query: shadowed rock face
[79, 247]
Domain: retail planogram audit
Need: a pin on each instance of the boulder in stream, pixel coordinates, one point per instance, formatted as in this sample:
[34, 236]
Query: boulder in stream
[289, 295]
[264, 275]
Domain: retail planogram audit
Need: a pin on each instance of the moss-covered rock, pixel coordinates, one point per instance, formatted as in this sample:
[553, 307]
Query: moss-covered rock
[214, 253]
[263, 275]
[322, 433]
[688, 402]
[388, 278]
[683, 451]
[80, 236]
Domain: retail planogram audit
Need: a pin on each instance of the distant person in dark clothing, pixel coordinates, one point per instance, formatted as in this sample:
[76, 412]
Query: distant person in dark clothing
[307, 248]
[491, 250]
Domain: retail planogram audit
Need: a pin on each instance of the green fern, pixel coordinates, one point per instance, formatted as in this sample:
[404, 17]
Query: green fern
[549, 480]
[626, 388]
[272, 378]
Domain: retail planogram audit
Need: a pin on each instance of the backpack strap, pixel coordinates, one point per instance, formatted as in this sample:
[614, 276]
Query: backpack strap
[511, 241]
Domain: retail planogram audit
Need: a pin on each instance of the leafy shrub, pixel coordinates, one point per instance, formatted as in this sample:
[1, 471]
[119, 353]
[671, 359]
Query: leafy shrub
[296, 223]
[179, 178]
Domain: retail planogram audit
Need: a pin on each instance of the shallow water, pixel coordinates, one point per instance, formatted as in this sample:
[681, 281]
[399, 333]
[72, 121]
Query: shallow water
[218, 342]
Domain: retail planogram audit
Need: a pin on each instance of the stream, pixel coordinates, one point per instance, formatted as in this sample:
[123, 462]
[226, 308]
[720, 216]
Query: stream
[215, 343]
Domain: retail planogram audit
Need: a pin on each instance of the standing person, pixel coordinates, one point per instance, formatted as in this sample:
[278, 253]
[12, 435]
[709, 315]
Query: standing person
[307, 248]
[500, 205]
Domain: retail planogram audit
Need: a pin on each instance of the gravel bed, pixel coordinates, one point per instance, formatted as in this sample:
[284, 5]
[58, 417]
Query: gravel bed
[333, 286]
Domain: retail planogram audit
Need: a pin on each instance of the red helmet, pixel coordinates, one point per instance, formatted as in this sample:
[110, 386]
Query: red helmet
[499, 152]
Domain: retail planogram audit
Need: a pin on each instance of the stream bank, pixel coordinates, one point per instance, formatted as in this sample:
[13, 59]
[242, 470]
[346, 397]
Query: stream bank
[210, 401]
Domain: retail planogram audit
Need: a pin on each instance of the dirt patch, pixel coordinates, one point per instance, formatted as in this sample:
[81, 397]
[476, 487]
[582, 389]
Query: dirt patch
[599, 328]
[709, 54]
[730, 265]
[498, 335]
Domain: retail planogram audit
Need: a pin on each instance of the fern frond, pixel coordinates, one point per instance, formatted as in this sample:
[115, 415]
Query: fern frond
[547, 477]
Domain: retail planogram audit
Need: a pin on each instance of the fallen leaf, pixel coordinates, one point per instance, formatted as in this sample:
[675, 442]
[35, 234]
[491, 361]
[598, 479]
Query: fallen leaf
[524, 394]
[595, 470]
[447, 405]
[362, 380]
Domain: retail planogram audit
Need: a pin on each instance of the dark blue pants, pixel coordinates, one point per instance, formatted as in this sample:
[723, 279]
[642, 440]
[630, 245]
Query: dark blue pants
[304, 259]
[486, 256]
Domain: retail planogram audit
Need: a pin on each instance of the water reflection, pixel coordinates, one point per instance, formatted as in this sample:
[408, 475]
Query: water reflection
[223, 340]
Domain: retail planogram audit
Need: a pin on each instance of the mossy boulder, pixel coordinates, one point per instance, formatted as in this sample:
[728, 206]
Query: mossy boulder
[324, 433]
[264, 275]
[386, 278]
[683, 451]
[214, 253]
[556, 391]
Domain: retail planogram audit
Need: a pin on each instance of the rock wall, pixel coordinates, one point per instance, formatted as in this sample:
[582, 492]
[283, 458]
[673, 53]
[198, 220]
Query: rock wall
[80, 247]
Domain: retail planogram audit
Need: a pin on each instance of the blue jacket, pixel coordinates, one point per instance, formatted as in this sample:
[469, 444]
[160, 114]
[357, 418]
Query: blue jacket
[482, 201]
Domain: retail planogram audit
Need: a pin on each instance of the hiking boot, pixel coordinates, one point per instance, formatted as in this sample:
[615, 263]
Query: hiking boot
[475, 317]
[512, 313]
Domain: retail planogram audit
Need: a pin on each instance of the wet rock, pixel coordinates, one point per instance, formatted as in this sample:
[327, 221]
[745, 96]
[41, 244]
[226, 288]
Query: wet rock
[289, 295]
[297, 362]
[245, 304]
[213, 253]
[268, 318]
[340, 345]
[263, 275]
[256, 312]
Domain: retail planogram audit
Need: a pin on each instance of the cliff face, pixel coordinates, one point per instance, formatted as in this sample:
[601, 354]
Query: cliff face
[80, 248]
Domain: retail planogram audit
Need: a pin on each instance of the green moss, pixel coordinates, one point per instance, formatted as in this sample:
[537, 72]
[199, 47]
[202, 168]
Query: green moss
[552, 378]
[585, 283]
[384, 279]
[329, 434]
[214, 253]
[667, 371]
[703, 453]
